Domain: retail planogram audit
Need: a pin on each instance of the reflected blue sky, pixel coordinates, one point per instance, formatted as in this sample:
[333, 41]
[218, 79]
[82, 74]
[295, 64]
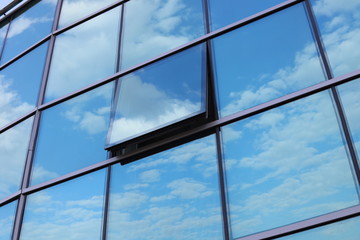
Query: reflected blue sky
[73, 10]
[72, 210]
[13, 150]
[84, 55]
[349, 94]
[226, 12]
[255, 63]
[72, 135]
[3, 30]
[19, 87]
[160, 94]
[152, 27]
[347, 229]
[7, 214]
[339, 23]
[286, 165]
[171, 195]
[28, 28]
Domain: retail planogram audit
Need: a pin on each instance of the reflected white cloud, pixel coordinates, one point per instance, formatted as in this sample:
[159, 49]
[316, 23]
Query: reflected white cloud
[302, 73]
[155, 26]
[294, 166]
[144, 107]
[13, 151]
[23, 23]
[75, 10]
[76, 58]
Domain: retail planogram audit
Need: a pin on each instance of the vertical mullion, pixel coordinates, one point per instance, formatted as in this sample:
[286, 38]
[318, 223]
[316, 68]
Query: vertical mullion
[335, 95]
[212, 101]
[29, 159]
[226, 224]
[106, 205]
[112, 116]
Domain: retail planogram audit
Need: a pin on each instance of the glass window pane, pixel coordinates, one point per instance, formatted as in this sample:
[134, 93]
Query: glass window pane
[28, 28]
[20, 84]
[13, 151]
[287, 165]
[348, 229]
[339, 23]
[73, 10]
[265, 60]
[72, 135]
[171, 195]
[152, 27]
[84, 55]
[223, 13]
[160, 94]
[72, 210]
[7, 216]
[349, 94]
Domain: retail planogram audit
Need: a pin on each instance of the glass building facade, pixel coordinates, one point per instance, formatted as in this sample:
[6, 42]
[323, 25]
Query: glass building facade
[180, 119]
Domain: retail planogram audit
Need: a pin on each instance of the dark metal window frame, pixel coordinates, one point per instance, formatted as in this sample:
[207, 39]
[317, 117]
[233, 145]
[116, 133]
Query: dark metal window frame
[212, 127]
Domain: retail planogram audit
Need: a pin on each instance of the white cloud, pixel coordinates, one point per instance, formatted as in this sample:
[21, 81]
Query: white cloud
[153, 27]
[187, 188]
[331, 7]
[127, 200]
[137, 117]
[150, 176]
[39, 173]
[22, 23]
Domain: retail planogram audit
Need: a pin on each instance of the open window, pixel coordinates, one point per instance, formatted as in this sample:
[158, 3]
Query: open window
[159, 101]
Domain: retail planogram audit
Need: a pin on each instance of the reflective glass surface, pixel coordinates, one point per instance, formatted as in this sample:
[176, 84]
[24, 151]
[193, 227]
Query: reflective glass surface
[347, 229]
[83, 55]
[265, 60]
[226, 12]
[28, 28]
[171, 195]
[152, 27]
[13, 151]
[72, 210]
[350, 97]
[73, 10]
[20, 84]
[7, 216]
[287, 165]
[339, 23]
[160, 94]
[72, 135]
[3, 30]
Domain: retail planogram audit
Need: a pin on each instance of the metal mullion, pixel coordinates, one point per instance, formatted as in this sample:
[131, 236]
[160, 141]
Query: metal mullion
[304, 225]
[17, 121]
[336, 98]
[222, 184]
[106, 207]
[10, 198]
[19, 217]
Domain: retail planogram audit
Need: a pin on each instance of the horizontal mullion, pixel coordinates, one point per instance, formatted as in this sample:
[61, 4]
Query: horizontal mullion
[17, 121]
[10, 198]
[306, 224]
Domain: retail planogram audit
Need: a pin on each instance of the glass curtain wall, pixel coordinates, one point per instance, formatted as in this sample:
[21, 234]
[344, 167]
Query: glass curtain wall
[180, 119]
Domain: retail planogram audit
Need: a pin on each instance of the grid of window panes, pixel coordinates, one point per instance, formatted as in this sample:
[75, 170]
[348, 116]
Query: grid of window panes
[229, 119]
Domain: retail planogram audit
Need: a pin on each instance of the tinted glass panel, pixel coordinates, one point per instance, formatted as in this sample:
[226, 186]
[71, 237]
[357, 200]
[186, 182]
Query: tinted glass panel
[152, 27]
[265, 60]
[350, 97]
[171, 195]
[339, 23]
[13, 150]
[73, 10]
[7, 215]
[84, 55]
[160, 94]
[348, 229]
[28, 28]
[223, 13]
[72, 210]
[20, 84]
[72, 135]
[286, 165]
